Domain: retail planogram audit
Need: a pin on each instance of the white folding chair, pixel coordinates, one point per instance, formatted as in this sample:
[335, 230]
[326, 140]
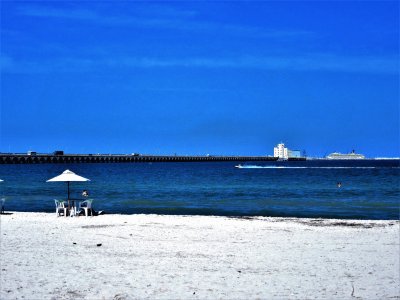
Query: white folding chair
[60, 208]
[86, 206]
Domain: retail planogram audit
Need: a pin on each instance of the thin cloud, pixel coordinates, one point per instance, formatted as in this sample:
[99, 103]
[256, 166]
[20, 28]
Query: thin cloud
[170, 19]
[165, 11]
[306, 63]
[318, 62]
[49, 12]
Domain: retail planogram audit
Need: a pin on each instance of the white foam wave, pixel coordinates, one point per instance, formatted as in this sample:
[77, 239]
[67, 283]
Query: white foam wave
[284, 167]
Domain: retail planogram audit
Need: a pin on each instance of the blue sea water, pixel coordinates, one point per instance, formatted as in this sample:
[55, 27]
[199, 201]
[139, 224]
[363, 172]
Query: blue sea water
[370, 188]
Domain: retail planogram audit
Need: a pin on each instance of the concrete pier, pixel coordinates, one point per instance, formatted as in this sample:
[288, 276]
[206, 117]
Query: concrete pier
[119, 158]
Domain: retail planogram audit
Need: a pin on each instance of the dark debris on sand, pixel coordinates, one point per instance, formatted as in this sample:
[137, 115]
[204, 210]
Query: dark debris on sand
[326, 223]
[318, 222]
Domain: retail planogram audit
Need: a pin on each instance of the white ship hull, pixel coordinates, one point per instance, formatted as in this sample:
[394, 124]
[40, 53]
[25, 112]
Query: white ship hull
[345, 156]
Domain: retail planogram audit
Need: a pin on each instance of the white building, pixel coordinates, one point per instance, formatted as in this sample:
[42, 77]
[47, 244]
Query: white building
[294, 153]
[280, 151]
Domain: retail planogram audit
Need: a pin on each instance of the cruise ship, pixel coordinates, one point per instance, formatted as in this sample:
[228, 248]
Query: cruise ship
[351, 155]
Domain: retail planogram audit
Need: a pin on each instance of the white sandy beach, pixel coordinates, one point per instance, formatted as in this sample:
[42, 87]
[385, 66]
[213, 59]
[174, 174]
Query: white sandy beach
[196, 257]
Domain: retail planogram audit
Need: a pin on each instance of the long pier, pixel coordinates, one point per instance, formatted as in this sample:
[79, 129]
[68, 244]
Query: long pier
[119, 158]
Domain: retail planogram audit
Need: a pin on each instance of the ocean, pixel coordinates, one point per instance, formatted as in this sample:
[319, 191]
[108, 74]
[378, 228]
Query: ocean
[370, 189]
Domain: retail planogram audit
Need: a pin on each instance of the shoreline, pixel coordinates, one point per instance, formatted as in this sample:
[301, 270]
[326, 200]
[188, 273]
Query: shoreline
[230, 216]
[115, 256]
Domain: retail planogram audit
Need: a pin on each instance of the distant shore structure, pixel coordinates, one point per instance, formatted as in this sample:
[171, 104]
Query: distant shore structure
[284, 153]
[281, 151]
[60, 157]
[352, 155]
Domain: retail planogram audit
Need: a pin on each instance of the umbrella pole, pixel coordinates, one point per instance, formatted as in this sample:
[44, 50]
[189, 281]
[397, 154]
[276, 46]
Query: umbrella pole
[68, 195]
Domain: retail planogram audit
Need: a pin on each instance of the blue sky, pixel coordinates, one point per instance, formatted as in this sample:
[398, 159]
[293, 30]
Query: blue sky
[200, 77]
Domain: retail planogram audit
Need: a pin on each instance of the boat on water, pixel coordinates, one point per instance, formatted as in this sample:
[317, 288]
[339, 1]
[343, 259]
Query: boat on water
[352, 155]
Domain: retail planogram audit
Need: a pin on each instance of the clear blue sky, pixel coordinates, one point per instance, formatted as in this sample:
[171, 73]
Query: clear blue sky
[200, 77]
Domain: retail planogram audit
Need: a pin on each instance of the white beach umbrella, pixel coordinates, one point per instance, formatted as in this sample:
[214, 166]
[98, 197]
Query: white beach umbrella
[68, 176]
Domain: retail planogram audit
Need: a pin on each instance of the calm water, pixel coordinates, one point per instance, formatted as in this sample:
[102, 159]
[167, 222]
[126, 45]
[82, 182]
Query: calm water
[370, 189]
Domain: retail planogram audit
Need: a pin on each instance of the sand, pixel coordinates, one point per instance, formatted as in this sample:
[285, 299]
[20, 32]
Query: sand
[196, 257]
